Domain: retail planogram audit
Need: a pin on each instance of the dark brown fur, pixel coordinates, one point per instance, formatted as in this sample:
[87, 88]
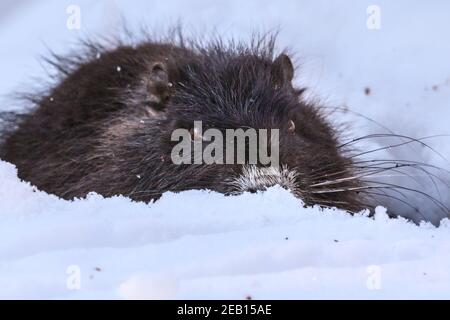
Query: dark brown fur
[105, 126]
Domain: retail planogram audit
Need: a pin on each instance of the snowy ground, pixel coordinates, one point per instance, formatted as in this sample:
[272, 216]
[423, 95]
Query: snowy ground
[204, 245]
[263, 245]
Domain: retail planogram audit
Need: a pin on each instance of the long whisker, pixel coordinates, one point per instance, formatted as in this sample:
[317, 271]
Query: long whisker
[391, 186]
[365, 173]
[417, 166]
[410, 140]
[394, 161]
[384, 194]
[427, 174]
[324, 171]
[387, 186]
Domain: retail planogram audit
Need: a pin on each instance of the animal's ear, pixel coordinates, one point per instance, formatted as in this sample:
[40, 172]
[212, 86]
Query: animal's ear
[283, 69]
[158, 83]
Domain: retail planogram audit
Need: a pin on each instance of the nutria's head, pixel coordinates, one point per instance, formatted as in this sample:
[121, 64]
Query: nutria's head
[242, 88]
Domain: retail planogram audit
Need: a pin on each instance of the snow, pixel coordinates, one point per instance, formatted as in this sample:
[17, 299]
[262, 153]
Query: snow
[200, 244]
[204, 245]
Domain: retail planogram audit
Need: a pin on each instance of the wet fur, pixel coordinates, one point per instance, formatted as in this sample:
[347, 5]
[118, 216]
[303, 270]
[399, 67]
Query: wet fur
[99, 129]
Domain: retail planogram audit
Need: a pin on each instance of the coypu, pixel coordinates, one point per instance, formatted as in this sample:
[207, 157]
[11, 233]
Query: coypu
[106, 125]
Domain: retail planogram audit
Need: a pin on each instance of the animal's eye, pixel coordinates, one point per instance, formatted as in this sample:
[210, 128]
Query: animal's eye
[291, 127]
[196, 134]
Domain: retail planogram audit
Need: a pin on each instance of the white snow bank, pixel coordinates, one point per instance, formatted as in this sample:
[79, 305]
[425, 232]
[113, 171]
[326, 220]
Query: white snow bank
[199, 244]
